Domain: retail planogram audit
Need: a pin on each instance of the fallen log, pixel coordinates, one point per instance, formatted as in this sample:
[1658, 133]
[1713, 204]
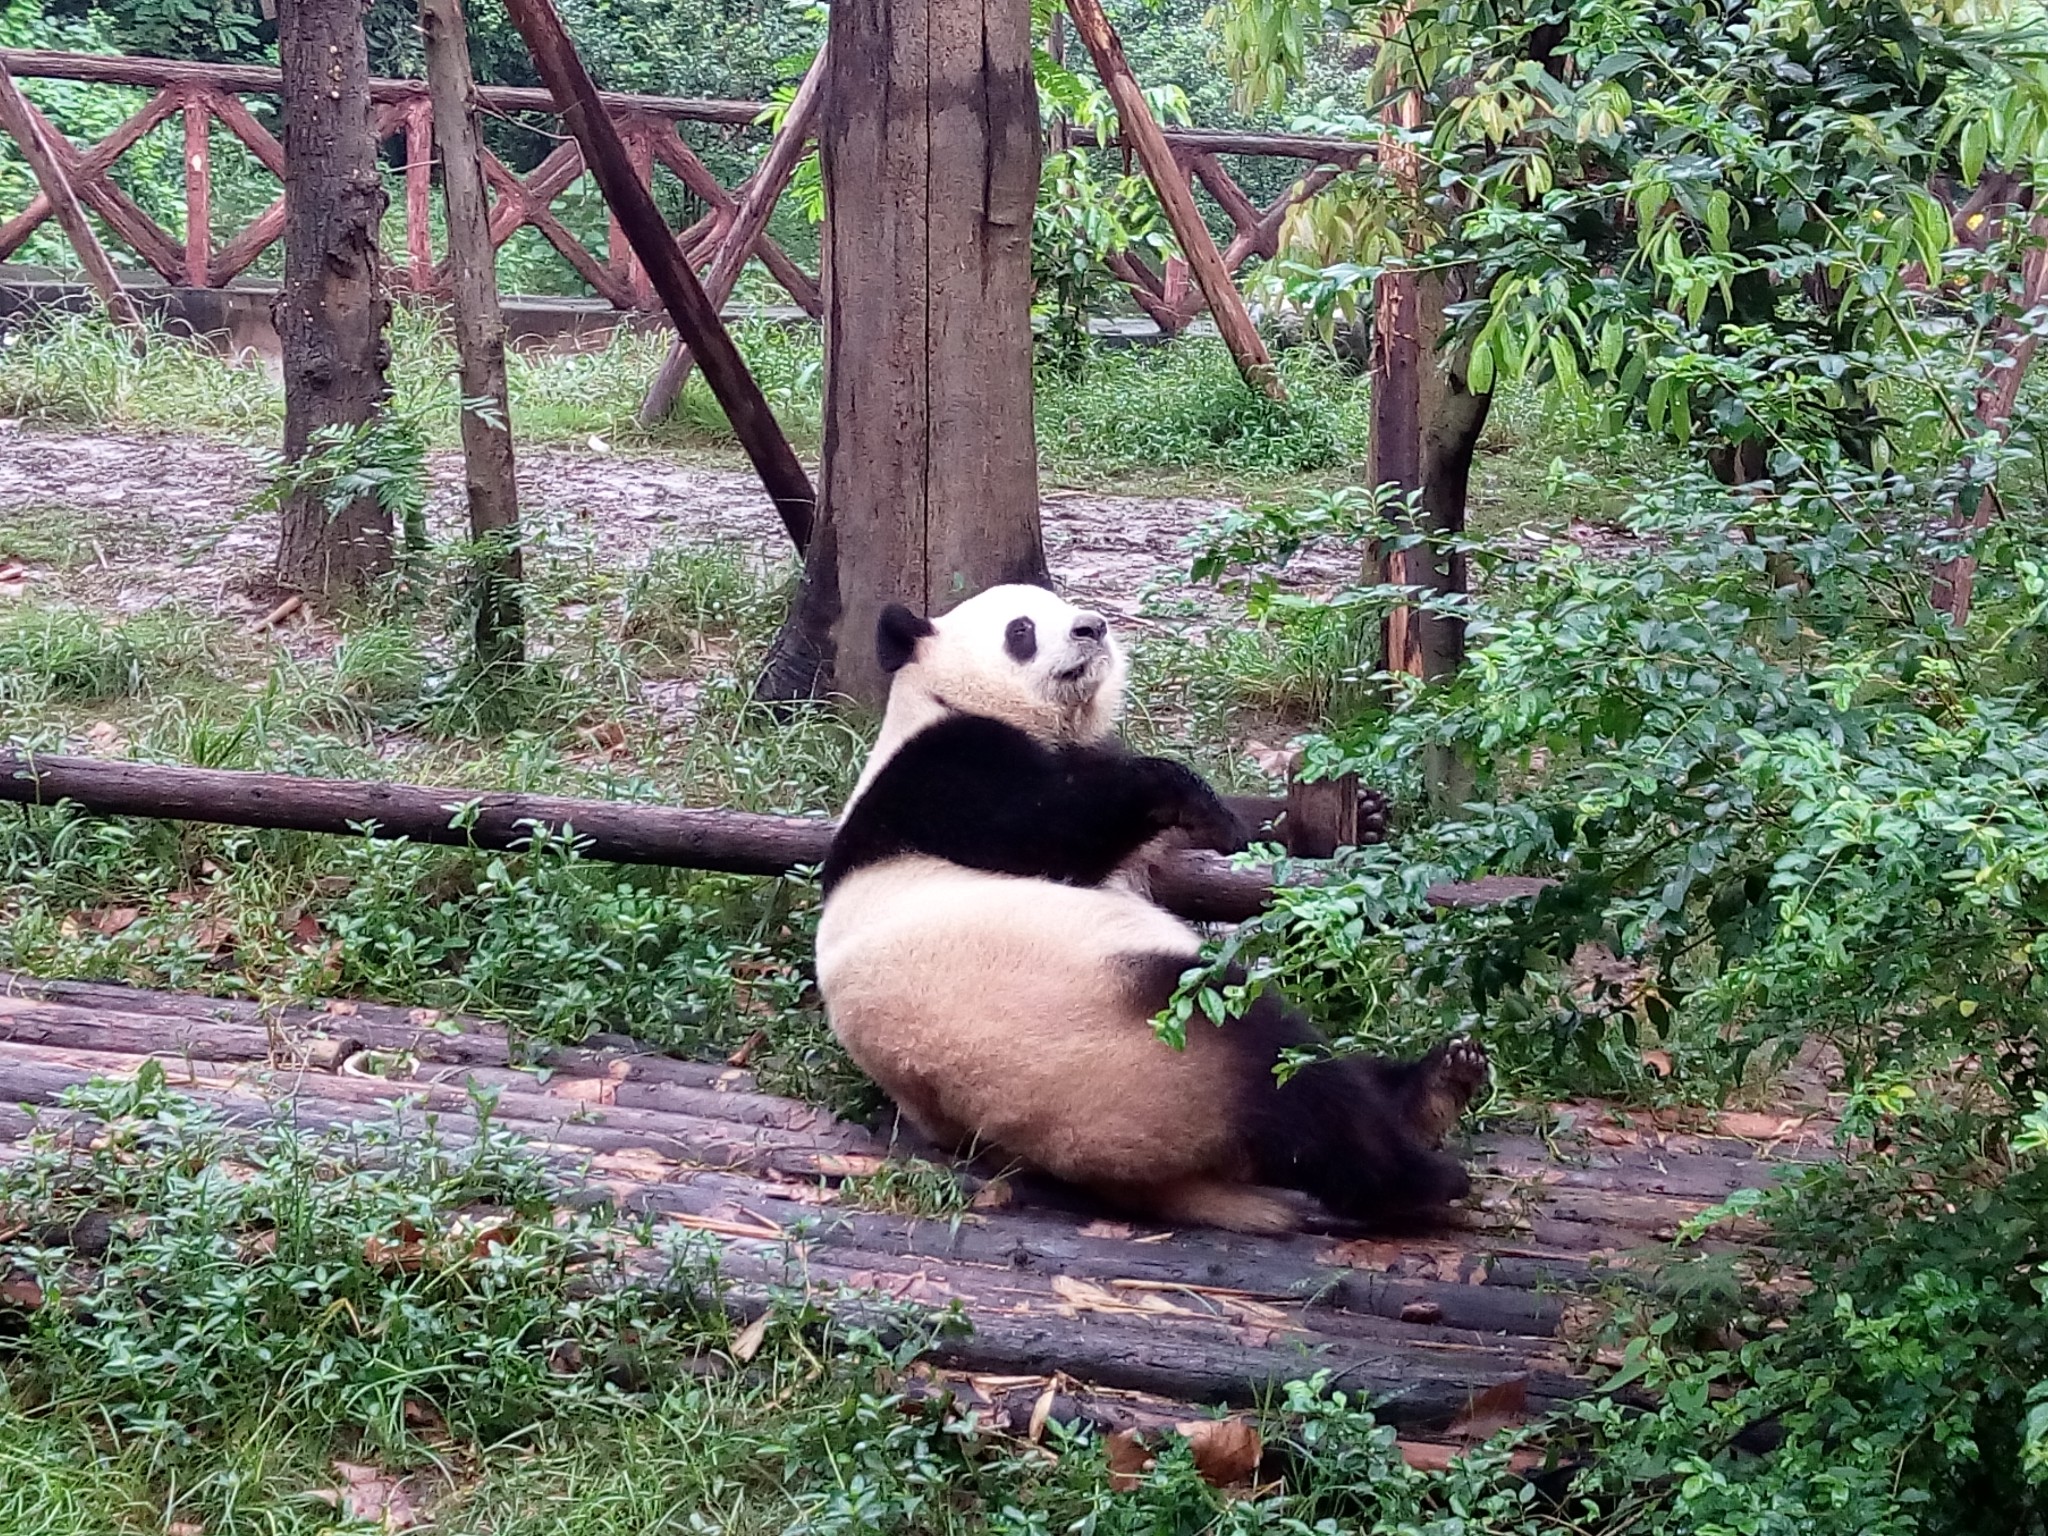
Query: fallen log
[1203, 887]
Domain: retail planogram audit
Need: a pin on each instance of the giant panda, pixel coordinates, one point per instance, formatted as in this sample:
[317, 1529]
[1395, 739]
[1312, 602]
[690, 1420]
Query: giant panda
[983, 958]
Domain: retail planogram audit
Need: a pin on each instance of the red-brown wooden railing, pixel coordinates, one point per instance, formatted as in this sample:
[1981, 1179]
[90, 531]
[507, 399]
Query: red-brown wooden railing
[203, 94]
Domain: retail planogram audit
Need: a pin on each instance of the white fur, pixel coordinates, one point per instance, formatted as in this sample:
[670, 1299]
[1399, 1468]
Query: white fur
[992, 1008]
[962, 668]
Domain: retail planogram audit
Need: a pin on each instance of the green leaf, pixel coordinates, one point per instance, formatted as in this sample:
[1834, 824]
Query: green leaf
[1717, 221]
[1479, 372]
[1612, 339]
[1561, 359]
[1930, 231]
[1976, 142]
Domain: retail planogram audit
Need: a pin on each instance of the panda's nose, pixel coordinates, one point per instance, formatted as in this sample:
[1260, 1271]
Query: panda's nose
[1090, 626]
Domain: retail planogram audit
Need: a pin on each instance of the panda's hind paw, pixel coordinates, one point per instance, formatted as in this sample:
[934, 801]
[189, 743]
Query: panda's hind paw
[1446, 1080]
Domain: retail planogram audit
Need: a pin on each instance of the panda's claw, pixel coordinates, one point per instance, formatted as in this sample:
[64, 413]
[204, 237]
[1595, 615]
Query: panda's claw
[1465, 1065]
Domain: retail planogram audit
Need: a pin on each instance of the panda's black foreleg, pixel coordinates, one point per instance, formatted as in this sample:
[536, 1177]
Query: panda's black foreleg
[1176, 798]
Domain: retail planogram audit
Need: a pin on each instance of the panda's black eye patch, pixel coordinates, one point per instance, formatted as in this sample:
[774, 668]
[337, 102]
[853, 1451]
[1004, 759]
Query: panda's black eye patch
[1021, 640]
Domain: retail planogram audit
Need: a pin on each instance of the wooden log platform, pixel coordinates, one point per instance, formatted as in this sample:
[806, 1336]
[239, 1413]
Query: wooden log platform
[1505, 1299]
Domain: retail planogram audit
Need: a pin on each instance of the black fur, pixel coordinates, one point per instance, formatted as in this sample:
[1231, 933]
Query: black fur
[1020, 640]
[897, 632]
[1337, 1129]
[979, 793]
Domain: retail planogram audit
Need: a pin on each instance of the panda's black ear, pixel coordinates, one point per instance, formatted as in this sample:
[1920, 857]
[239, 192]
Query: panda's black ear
[896, 635]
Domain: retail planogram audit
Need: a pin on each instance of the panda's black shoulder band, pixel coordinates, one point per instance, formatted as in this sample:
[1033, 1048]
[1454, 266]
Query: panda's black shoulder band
[979, 793]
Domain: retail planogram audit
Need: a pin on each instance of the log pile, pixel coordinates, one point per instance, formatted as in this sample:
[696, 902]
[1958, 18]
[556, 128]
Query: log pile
[1429, 1324]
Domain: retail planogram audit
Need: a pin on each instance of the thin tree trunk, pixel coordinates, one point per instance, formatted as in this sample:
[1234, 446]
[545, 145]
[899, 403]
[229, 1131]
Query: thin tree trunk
[1955, 578]
[479, 342]
[333, 309]
[931, 157]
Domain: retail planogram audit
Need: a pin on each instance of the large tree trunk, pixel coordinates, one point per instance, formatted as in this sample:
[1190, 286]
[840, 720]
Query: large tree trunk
[930, 148]
[331, 314]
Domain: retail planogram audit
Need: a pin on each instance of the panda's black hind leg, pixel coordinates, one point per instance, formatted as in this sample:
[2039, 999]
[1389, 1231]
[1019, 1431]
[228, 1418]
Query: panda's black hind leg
[1432, 1093]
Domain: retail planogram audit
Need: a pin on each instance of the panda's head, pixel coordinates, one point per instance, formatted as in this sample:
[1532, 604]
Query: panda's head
[1019, 654]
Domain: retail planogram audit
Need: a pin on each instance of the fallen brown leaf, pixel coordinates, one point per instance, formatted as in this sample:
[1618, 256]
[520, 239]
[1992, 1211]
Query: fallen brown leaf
[747, 1047]
[1501, 1406]
[995, 1195]
[1129, 1460]
[609, 736]
[848, 1165]
[112, 920]
[372, 1496]
[1755, 1127]
[642, 1163]
[1115, 1229]
[214, 935]
[184, 1528]
[104, 736]
[385, 1254]
[1658, 1062]
[747, 1343]
[21, 1292]
[1227, 1451]
[1422, 1312]
[1042, 1411]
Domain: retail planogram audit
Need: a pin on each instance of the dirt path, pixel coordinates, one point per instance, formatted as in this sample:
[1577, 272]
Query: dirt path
[163, 518]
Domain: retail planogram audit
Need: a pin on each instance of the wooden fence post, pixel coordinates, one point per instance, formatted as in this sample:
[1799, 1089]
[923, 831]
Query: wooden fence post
[756, 205]
[479, 342]
[1177, 198]
[43, 160]
[696, 317]
[198, 192]
[419, 195]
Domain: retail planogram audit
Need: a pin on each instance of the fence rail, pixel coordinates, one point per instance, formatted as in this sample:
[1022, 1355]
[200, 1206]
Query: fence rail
[200, 95]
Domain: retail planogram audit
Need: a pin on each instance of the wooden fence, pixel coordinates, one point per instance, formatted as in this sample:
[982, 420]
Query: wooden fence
[203, 94]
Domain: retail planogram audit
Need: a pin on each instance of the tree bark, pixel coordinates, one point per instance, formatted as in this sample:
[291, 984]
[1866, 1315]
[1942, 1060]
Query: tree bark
[479, 343]
[931, 152]
[333, 309]
[1425, 429]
